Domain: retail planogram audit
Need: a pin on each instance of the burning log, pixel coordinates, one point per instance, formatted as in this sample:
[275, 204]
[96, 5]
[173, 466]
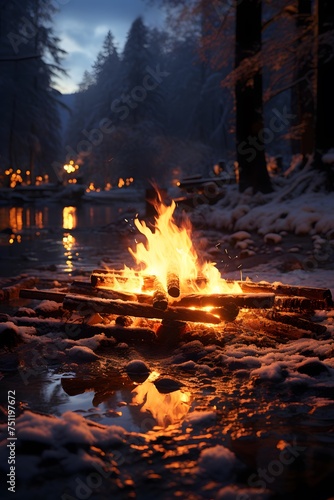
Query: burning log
[313, 293]
[111, 278]
[227, 313]
[160, 299]
[105, 306]
[173, 284]
[247, 300]
[84, 288]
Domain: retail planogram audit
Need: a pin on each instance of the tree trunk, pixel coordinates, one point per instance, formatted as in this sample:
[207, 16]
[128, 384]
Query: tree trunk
[324, 139]
[305, 76]
[250, 133]
[325, 80]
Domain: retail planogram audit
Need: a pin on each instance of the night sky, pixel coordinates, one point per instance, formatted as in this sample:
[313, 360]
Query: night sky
[83, 24]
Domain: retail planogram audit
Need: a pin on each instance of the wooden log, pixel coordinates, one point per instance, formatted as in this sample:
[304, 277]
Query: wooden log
[109, 278]
[33, 294]
[246, 300]
[297, 322]
[173, 284]
[290, 303]
[86, 288]
[160, 299]
[288, 290]
[227, 313]
[109, 293]
[12, 292]
[105, 306]
[80, 330]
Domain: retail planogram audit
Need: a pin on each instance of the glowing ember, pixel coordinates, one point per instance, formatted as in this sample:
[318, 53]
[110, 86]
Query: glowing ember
[169, 252]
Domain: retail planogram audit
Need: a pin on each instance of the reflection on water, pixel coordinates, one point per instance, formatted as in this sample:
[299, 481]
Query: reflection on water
[70, 255]
[69, 217]
[144, 400]
[166, 409]
[34, 236]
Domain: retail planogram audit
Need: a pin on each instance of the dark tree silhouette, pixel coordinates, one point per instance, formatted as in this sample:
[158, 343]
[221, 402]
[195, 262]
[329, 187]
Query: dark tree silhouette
[324, 139]
[305, 77]
[325, 81]
[248, 93]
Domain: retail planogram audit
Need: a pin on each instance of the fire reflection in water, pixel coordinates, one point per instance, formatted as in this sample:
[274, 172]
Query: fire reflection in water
[68, 243]
[69, 217]
[166, 409]
[69, 222]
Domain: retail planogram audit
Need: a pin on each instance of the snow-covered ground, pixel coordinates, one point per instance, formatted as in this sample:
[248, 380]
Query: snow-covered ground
[241, 411]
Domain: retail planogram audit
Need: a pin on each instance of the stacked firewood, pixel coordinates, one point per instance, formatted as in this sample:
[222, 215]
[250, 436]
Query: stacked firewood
[289, 305]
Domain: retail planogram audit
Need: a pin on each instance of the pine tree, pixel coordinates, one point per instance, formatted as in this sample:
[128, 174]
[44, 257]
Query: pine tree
[30, 124]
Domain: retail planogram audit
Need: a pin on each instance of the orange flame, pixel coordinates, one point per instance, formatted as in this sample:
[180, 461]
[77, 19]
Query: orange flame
[169, 248]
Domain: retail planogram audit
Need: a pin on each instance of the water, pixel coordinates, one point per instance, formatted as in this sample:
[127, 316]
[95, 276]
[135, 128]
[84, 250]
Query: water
[69, 237]
[105, 396]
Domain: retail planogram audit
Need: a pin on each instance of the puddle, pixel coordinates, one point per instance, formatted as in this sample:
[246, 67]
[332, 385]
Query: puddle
[116, 400]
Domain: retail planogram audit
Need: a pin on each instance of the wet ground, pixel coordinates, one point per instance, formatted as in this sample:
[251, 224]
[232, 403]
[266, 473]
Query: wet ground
[241, 412]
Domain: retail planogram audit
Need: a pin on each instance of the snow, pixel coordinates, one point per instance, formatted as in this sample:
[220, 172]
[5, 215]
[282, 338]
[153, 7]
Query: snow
[308, 214]
[82, 354]
[202, 418]
[218, 462]
[217, 411]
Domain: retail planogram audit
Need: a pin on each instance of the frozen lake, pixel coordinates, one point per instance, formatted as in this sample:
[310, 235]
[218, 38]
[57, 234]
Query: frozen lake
[68, 237]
